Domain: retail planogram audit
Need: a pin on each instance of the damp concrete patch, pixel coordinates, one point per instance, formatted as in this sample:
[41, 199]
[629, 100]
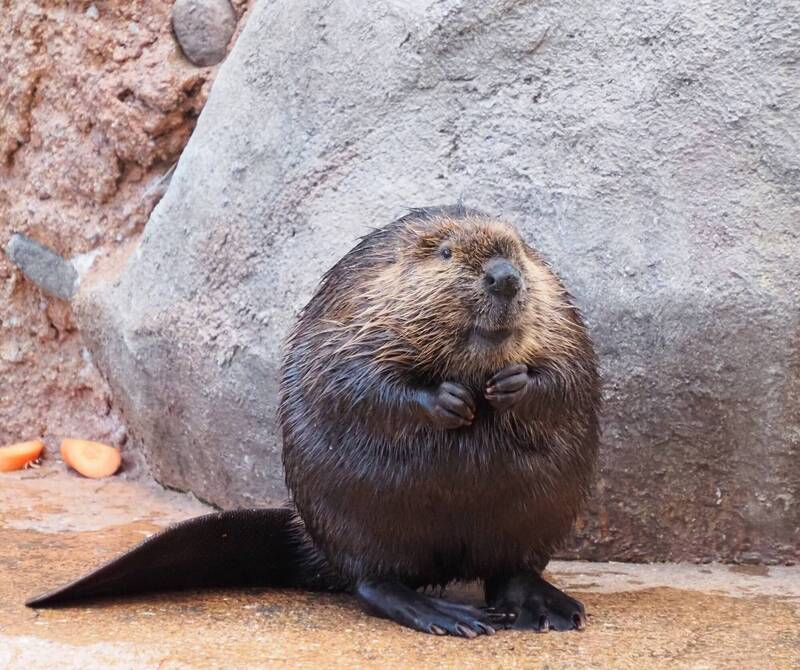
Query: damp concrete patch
[51, 499]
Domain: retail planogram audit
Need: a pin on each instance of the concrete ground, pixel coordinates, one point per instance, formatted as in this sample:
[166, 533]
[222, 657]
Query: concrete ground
[53, 525]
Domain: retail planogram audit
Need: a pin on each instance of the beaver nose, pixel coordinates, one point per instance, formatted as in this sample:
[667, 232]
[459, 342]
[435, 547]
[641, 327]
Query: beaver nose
[501, 278]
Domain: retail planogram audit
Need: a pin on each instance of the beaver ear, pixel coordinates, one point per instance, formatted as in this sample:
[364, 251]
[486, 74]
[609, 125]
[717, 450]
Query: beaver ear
[426, 238]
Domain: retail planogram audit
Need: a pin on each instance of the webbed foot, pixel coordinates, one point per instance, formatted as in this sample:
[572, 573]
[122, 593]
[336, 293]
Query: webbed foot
[395, 601]
[537, 604]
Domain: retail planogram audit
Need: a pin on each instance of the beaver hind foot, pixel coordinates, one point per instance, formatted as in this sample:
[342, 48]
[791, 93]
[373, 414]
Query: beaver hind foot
[403, 605]
[537, 604]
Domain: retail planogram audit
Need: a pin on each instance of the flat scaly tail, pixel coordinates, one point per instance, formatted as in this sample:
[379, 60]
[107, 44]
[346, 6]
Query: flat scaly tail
[250, 547]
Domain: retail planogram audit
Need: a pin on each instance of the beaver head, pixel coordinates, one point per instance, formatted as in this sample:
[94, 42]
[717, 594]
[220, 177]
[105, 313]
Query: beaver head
[462, 294]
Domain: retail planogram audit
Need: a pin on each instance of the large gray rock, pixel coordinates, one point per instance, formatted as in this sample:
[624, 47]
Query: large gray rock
[649, 149]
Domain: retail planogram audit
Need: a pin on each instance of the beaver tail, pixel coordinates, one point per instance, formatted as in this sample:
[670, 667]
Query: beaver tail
[252, 547]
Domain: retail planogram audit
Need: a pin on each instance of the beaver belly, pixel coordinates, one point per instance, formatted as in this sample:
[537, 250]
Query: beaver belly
[449, 520]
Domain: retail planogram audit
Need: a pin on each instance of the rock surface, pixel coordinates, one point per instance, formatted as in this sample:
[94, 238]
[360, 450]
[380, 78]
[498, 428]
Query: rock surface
[96, 103]
[203, 28]
[650, 152]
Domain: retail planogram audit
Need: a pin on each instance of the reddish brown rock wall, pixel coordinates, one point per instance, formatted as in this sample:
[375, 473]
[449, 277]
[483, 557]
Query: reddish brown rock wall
[96, 103]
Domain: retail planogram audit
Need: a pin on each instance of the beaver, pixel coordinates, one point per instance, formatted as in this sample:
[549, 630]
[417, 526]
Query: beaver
[439, 403]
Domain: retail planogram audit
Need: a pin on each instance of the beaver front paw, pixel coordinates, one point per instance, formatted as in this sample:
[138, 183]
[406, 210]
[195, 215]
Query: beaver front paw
[449, 406]
[507, 387]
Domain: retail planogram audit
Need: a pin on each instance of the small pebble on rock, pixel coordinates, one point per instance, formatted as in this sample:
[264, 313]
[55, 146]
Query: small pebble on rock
[203, 29]
[44, 267]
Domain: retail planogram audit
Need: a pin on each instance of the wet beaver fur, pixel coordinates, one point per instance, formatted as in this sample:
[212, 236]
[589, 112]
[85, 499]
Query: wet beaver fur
[439, 403]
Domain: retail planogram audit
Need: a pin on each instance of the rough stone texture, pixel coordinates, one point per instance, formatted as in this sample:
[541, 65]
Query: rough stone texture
[96, 102]
[54, 525]
[203, 28]
[651, 151]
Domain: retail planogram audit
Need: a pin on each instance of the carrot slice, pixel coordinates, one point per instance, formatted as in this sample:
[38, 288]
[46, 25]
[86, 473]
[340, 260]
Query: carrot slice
[17, 456]
[91, 459]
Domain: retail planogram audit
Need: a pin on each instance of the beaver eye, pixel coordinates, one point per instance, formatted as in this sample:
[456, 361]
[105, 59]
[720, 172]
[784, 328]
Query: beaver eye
[445, 252]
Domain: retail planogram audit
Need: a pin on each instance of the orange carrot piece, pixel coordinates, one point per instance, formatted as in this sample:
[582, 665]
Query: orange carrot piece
[17, 456]
[91, 459]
